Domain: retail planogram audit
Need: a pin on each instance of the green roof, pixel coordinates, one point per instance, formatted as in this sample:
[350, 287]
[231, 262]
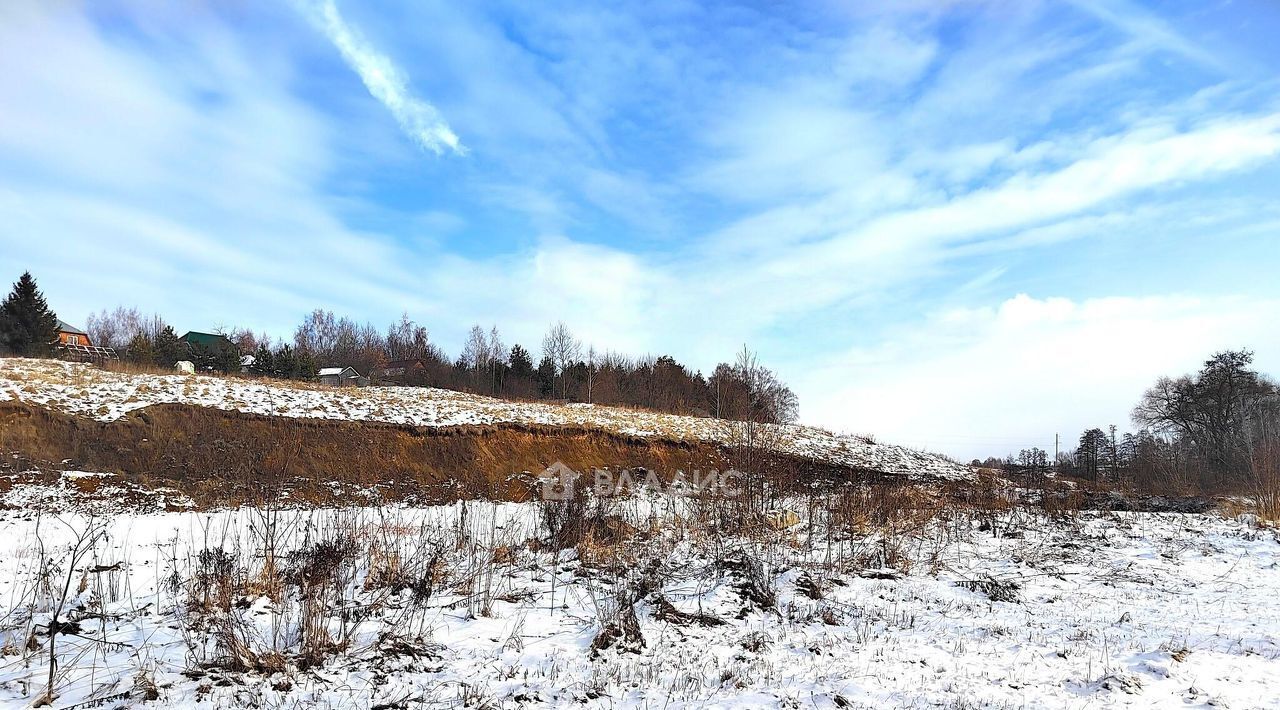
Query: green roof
[208, 340]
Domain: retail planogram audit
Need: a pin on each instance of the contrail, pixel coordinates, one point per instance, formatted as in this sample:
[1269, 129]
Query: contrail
[384, 80]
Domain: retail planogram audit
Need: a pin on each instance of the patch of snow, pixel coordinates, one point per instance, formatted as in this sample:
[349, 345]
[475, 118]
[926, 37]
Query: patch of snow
[1127, 610]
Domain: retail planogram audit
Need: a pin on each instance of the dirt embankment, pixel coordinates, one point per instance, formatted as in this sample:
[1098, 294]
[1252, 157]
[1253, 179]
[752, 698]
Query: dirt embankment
[218, 457]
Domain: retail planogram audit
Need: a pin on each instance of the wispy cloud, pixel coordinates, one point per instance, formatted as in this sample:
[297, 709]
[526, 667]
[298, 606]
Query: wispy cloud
[385, 81]
[1147, 30]
[822, 192]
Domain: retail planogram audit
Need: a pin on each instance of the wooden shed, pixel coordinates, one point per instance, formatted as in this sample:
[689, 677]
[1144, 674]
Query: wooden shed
[340, 377]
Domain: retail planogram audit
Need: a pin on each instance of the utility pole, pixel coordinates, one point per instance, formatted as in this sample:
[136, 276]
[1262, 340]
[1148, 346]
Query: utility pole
[1055, 450]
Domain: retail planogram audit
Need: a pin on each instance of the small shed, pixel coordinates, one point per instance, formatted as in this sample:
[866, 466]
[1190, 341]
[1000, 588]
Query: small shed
[70, 335]
[340, 377]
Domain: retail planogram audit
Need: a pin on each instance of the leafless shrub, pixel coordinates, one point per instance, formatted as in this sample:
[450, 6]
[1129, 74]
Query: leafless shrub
[55, 579]
[564, 521]
[1266, 480]
[994, 589]
[619, 626]
[214, 583]
[752, 580]
[322, 572]
[892, 507]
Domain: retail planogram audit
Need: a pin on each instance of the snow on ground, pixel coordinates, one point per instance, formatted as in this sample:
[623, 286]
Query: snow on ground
[1132, 610]
[87, 391]
[100, 493]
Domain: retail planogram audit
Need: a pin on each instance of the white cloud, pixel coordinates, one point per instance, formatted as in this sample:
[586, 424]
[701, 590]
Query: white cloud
[1109, 168]
[206, 195]
[884, 54]
[987, 381]
[385, 81]
[895, 247]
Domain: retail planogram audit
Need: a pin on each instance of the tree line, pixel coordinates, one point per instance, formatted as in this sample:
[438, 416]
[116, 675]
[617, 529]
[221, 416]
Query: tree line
[1215, 430]
[564, 369]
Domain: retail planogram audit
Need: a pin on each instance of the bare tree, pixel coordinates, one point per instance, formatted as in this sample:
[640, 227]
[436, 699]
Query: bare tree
[563, 349]
[318, 333]
[497, 359]
[1217, 412]
[406, 340]
[475, 350]
[758, 432]
[591, 372]
[115, 328]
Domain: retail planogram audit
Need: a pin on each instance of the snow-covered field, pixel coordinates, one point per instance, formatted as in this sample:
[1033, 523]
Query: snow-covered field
[1139, 610]
[87, 391]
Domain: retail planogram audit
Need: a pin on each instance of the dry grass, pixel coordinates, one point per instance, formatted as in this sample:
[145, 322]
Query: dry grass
[128, 367]
[1266, 481]
[891, 508]
[87, 391]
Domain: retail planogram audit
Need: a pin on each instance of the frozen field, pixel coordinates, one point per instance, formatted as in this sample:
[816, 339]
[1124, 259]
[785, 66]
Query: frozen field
[460, 606]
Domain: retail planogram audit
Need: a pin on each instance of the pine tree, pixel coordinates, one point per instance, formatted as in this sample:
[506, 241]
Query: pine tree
[1091, 456]
[285, 363]
[263, 362]
[546, 377]
[169, 348]
[306, 368]
[226, 360]
[140, 349]
[203, 357]
[521, 363]
[27, 327]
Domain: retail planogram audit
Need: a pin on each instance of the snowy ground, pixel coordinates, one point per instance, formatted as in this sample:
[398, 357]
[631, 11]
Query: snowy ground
[1140, 610]
[86, 391]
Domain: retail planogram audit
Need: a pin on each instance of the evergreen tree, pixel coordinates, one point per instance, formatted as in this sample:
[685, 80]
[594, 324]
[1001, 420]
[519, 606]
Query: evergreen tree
[263, 362]
[27, 327]
[521, 363]
[285, 363]
[227, 360]
[140, 348]
[169, 348]
[546, 377]
[306, 369]
[219, 356]
[203, 357]
[1091, 456]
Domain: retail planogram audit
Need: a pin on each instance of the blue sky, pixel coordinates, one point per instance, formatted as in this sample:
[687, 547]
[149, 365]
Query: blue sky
[957, 225]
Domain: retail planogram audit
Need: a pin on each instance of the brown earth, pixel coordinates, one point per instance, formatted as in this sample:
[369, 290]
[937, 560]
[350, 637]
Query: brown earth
[229, 458]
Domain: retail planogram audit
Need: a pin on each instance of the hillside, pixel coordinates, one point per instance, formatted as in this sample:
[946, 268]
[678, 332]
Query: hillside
[84, 391]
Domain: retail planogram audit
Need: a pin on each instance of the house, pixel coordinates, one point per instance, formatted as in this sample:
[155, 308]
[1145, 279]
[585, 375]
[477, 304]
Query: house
[75, 344]
[212, 341]
[70, 335]
[211, 352]
[340, 377]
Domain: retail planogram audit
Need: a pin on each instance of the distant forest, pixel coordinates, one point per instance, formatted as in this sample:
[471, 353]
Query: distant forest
[564, 368]
[1216, 430]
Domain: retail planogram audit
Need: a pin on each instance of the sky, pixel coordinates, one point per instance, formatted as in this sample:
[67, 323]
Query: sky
[963, 226]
